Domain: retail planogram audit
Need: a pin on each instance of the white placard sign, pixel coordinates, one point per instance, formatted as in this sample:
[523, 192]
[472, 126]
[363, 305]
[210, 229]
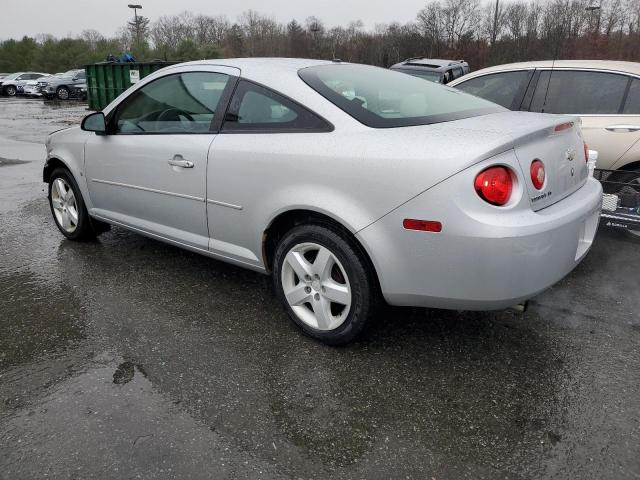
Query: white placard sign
[134, 76]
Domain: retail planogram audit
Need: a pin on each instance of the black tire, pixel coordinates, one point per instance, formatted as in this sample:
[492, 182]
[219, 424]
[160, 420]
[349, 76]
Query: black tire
[63, 93]
[10, 91]
[365, 297]
[86, 228]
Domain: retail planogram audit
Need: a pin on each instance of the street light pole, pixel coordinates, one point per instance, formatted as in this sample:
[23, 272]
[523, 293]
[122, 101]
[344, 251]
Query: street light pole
[135, 16]
[494, 36]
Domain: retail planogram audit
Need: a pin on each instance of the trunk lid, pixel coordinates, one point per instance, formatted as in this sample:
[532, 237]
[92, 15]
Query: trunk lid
[560, 147]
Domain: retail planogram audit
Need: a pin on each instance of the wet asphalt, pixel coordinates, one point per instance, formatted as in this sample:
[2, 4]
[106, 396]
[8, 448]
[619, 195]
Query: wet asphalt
[128, 358]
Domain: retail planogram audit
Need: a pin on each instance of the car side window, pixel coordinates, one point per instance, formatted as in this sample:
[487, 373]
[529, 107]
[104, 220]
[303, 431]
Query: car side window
[583, 92]
[504, 88]
[632, 103]
[257, 108]
[180, 103]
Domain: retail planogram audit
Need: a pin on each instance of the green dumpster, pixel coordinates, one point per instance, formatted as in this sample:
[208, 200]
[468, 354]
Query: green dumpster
[107, 80]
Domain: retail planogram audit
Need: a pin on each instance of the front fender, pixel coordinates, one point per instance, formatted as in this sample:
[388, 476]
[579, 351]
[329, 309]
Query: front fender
[66, 148]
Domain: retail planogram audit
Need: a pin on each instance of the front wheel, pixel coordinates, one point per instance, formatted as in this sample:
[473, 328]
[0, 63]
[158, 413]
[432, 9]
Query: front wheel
[326, 285]
[68, 208]
[62, 93]
[10, 91]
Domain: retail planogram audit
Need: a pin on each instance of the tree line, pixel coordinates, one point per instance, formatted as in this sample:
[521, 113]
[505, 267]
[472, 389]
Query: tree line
[482, 33]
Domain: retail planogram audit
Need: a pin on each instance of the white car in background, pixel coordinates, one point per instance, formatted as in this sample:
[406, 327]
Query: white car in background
[604, 94]
[12, 84]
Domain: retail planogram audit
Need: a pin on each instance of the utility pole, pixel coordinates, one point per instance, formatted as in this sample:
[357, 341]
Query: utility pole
[135, 16]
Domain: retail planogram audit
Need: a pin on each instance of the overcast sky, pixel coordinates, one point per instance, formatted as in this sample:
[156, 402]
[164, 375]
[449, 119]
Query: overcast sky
[63, 17]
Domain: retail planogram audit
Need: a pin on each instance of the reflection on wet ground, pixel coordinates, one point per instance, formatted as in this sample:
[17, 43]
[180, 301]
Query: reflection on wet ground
[128, 358]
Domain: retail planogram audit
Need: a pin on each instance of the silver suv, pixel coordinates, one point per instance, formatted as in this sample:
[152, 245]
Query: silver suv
[61, 86]
[434, 70]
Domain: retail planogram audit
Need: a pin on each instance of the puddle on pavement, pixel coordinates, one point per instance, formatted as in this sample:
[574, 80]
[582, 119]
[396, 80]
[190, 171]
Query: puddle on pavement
[38, 318]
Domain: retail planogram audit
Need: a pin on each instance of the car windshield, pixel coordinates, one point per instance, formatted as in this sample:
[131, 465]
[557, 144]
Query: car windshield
[70, 73]
[383, 98]
[13, 76]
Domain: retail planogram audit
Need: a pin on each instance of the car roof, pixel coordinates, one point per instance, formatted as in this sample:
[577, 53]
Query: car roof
[628, 67]
[262, 63]
[266, 70]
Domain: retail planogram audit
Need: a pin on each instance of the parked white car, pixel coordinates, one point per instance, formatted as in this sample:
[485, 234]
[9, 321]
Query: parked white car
[342, 181]
[13, 84]
[606, 96]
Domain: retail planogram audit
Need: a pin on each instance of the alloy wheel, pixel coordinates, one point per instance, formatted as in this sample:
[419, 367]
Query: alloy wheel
[316, 286]
[65, 207]
[63, 93]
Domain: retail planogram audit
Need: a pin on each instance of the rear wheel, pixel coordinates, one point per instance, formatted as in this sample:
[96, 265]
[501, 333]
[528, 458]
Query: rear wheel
[68, 208]
[325, 284]
[62, 93]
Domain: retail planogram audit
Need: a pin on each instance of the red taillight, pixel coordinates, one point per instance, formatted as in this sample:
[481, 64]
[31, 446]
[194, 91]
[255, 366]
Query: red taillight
[424, 225]
[586, 152]
[563, 126]
[494, 185]
[537, 173]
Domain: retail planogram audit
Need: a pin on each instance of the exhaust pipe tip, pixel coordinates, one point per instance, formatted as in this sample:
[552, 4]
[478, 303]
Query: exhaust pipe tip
[520, 307]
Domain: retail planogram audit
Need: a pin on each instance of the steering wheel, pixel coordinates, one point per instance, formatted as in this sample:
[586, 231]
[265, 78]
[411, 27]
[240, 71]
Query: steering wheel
[174, 114]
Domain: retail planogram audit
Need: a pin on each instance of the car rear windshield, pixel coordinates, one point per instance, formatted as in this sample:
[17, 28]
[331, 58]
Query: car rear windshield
[383, 98]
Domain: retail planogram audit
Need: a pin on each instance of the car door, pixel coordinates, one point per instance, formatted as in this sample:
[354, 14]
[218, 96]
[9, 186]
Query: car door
[263, 132]
[631, 122]
[504, 88]
[609, 123]
[149, 171]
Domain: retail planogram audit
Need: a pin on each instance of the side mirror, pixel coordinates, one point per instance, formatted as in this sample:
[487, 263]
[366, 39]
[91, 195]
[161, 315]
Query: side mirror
[94, 122]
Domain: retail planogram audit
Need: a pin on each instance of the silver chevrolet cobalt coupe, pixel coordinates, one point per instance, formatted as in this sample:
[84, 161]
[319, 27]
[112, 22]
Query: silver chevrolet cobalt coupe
[347, 183]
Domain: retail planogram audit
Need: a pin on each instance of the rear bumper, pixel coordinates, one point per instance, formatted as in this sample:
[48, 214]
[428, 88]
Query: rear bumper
[480, 261]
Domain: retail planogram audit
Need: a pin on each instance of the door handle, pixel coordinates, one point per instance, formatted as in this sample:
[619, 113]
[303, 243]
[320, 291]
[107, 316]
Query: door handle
[628, 128]
[178, 161]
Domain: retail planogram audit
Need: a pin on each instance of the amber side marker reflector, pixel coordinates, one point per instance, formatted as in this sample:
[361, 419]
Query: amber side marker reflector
[563, 126]
[422, 225]
[586, 152]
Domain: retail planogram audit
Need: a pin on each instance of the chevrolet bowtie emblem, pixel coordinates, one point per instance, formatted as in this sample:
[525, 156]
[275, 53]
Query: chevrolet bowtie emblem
[571, 154]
